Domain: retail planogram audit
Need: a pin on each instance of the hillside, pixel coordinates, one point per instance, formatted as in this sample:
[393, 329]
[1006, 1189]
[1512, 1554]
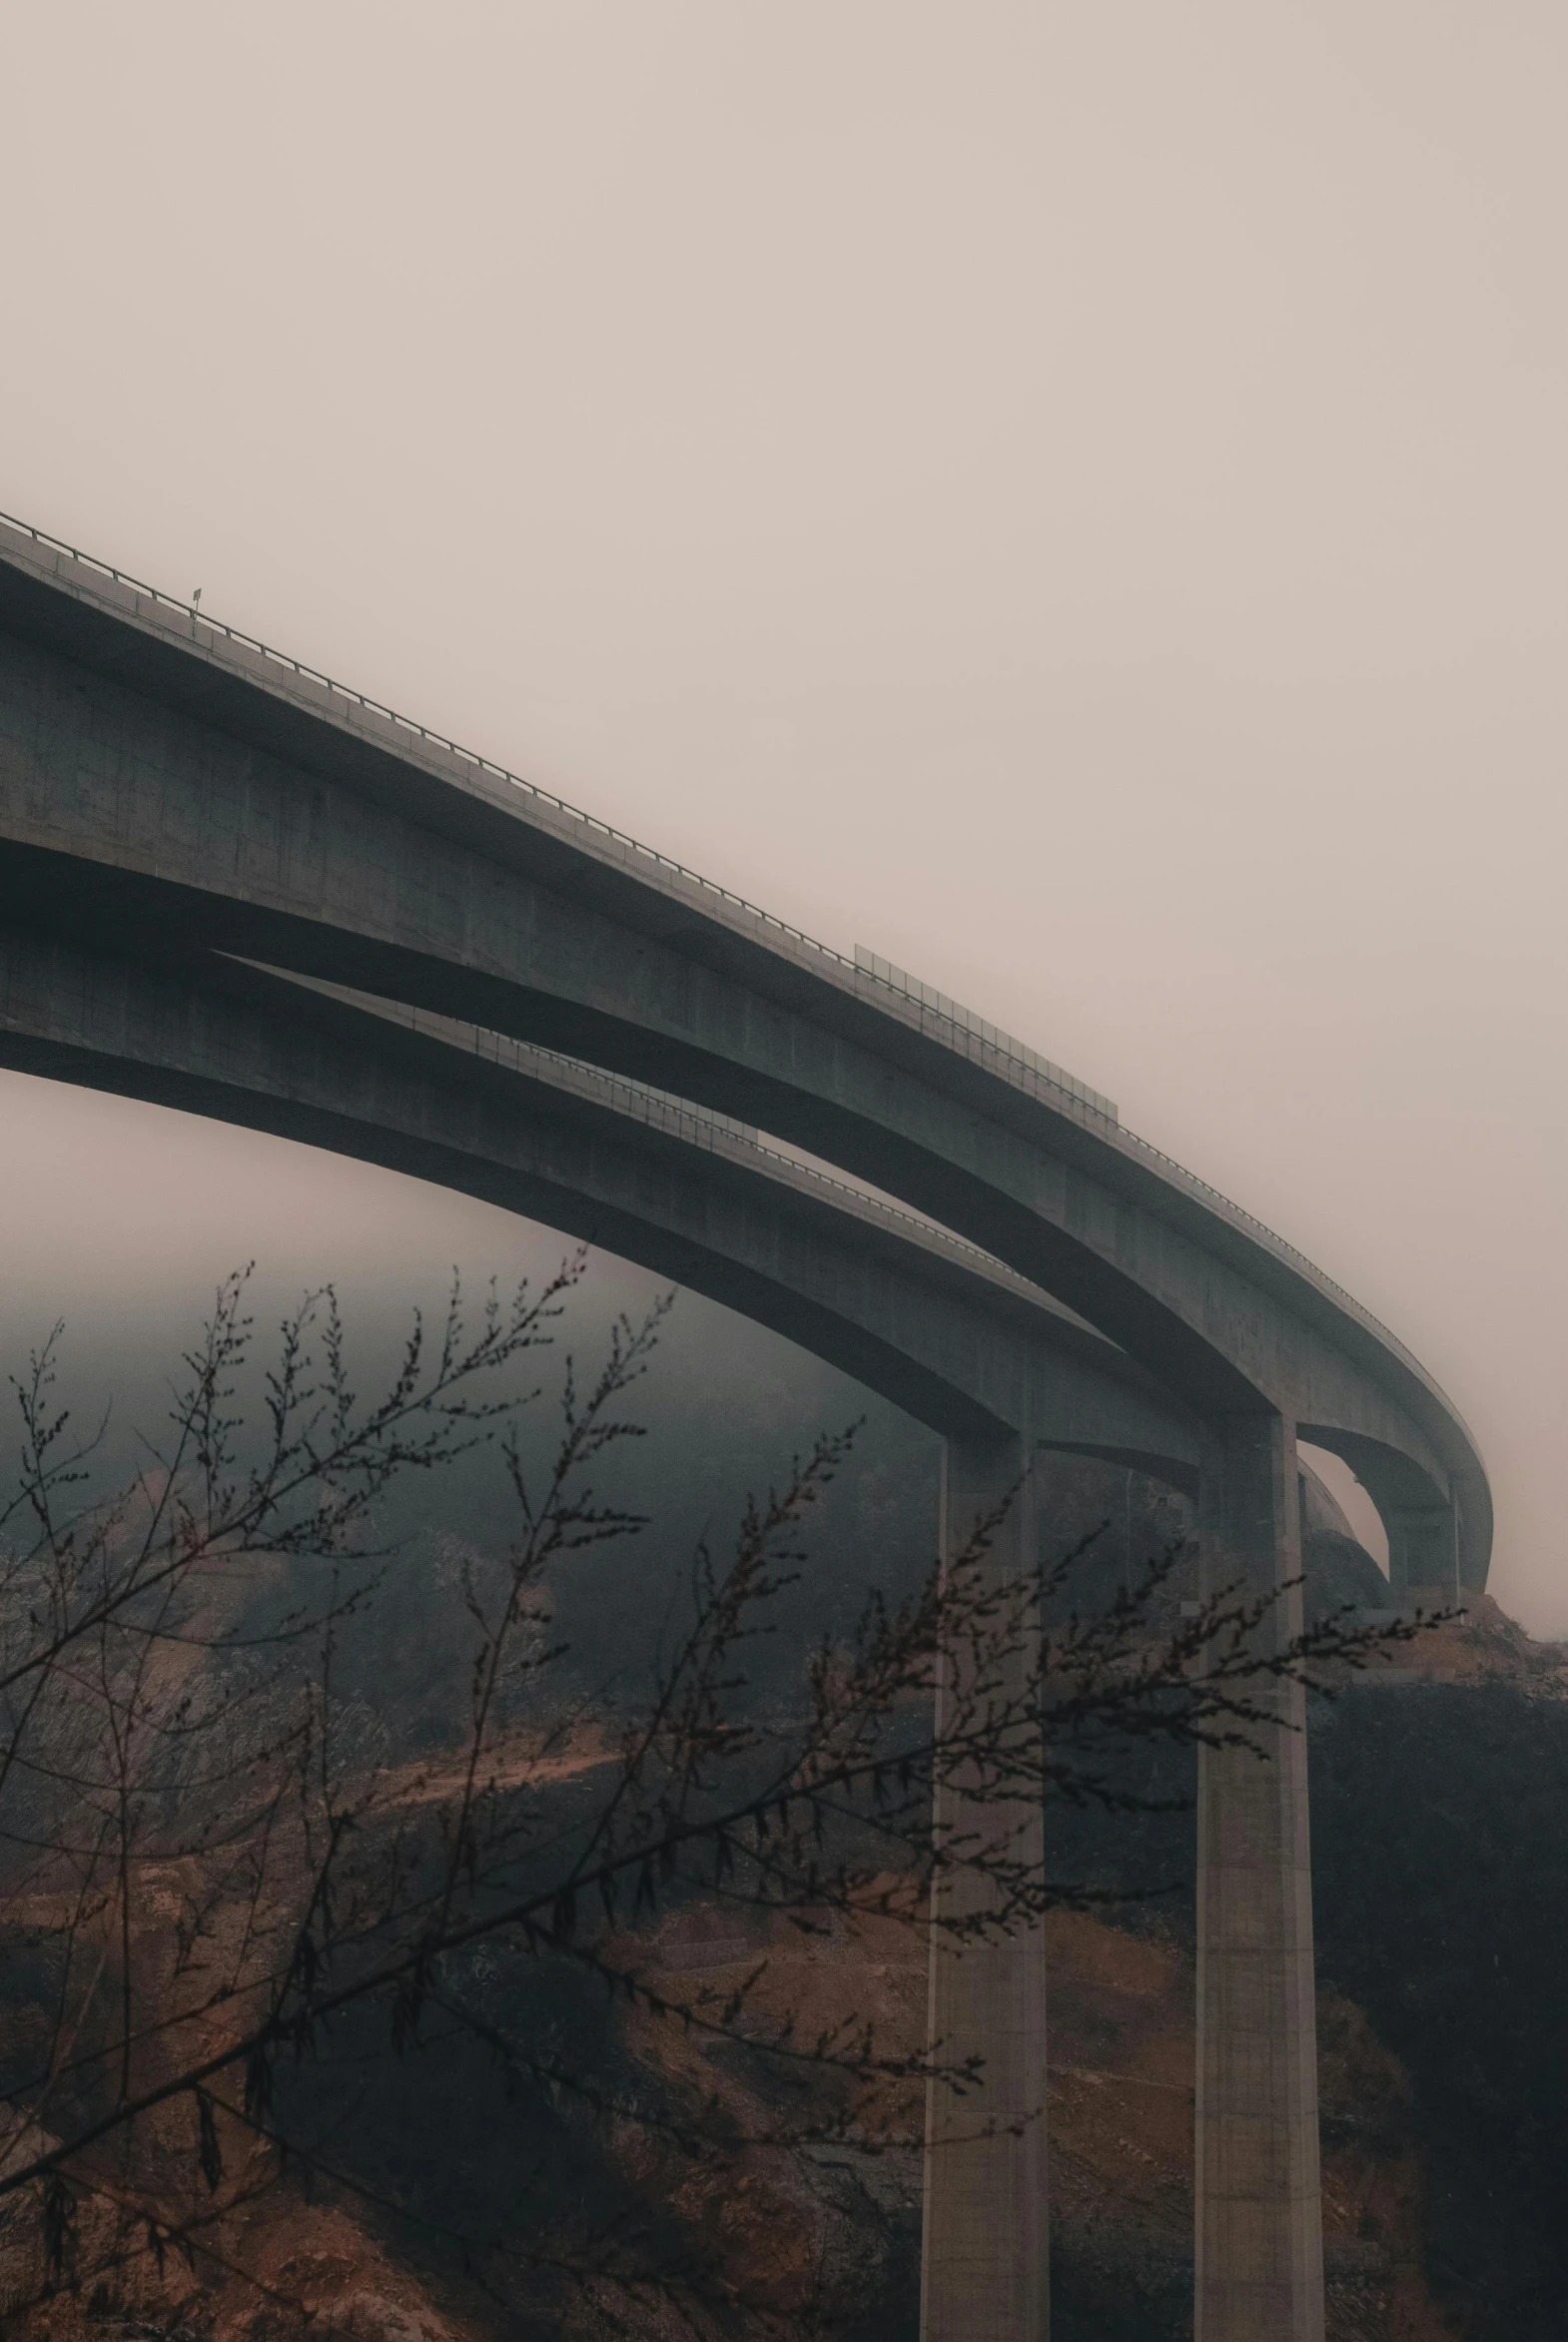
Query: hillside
[1442, 1869]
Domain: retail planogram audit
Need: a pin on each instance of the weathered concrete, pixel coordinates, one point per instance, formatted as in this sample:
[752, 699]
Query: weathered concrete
[941, 1333]
[985, 2270]
[156, 778]
[1260, 2263]
[956, 1340]
[160, 780]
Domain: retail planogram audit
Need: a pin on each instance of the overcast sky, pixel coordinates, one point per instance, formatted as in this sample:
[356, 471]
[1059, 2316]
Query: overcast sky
[1072, 497]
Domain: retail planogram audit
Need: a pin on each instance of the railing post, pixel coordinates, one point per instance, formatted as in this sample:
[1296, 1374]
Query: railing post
[984, 2268]
[1258, 2224]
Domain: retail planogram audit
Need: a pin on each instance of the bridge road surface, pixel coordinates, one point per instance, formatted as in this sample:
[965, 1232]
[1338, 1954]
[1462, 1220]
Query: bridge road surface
[162, 777]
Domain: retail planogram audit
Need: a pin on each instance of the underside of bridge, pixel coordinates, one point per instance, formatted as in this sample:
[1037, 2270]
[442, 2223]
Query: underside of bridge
[231, 886]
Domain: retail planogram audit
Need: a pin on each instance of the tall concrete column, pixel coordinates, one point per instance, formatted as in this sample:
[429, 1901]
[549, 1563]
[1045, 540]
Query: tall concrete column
[1424, 1554]
[1260, 2251]
[985, 2266]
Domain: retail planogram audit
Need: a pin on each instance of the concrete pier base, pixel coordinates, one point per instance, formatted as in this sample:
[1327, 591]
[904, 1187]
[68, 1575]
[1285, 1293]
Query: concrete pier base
[1260, 2254]
[985, 2273]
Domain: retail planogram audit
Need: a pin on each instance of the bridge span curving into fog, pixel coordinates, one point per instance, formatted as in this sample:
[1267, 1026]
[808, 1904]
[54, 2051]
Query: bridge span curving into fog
[231, 885]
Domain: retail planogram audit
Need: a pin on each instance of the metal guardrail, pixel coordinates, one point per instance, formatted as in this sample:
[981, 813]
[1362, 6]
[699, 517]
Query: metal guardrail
[954, 1012]
[962, 1037]
[999, 1055]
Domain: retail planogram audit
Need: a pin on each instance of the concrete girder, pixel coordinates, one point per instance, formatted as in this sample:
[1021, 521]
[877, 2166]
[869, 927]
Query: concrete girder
[158, 775]
[147, 778]
[960, 1343]
[1433, 1549]
[957, 1342]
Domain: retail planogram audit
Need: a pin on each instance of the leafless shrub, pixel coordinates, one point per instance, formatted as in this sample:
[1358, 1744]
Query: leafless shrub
[216, 1858]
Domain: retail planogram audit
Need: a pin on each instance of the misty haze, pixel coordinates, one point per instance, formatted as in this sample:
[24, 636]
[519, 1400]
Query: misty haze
[784, 1134]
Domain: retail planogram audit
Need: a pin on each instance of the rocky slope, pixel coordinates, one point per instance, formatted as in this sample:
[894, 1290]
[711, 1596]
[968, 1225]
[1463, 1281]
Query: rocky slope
[1442, 1859]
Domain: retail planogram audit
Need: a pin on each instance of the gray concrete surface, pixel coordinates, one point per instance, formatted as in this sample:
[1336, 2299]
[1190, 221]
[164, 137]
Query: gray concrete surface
[167, 789]
[1257, 2217]
[957, 1341]
[985, 2263]
[154, 777]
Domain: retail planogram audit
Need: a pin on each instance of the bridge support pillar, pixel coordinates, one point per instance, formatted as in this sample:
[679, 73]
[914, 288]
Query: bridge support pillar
[984, 2268]
[1424, 1554]
[1260, 2254]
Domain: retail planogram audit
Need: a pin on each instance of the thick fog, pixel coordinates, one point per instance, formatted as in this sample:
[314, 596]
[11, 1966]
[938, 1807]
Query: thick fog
[1070, 496]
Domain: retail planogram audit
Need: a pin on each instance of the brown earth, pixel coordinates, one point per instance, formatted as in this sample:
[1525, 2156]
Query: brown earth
[1485, 1645]
[827, 2231]
[827, 2236]
[1121, 2119]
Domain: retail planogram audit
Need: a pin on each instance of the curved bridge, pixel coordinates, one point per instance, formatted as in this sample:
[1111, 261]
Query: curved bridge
[951, 1336]
[229, 884]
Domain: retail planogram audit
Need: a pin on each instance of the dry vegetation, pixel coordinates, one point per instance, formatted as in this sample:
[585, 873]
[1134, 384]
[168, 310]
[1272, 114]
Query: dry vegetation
[580, 2019]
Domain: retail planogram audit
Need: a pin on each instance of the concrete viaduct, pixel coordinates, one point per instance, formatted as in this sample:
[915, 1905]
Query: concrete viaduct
[233, 886]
